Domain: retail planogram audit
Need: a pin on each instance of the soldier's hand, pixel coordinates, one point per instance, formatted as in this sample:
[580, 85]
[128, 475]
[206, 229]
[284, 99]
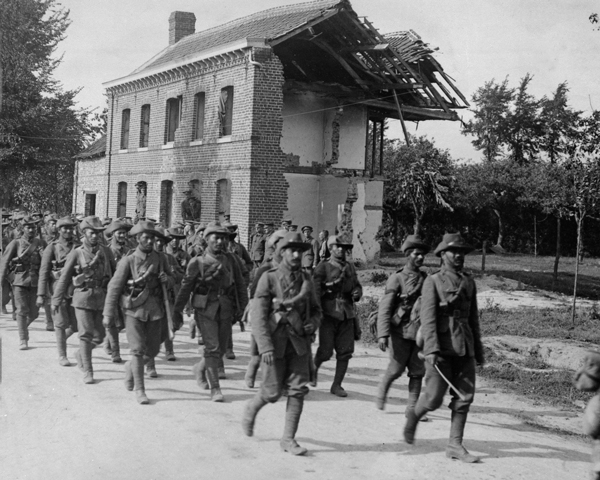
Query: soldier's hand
[268, 358]
[309, 328]
[356, 295]
[39, 301]
[162, 276]
[107, 321]
[383, 344]
[55, 309]
[432, 358]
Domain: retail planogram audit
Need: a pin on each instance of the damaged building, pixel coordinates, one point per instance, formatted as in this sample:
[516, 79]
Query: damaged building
[277, 114]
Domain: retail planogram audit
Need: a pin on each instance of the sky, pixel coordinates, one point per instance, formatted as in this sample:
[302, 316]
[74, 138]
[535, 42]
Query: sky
[478, 40]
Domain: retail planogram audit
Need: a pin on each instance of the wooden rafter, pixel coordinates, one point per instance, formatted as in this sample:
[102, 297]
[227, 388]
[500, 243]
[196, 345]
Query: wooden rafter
[324, 46]
[306, 26]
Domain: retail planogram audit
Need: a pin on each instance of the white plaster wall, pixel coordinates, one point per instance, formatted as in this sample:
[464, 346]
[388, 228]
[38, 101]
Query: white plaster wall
[332, 195]
[366, 221]
[303, 199]
[353, 135]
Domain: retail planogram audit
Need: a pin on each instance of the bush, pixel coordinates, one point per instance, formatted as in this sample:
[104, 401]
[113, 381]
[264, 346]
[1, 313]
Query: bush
[363, 310]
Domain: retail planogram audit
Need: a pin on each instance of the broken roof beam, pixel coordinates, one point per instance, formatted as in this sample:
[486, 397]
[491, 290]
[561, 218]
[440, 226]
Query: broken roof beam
[325, 46]
[292, 33]
[422, 113]
[365, 48]
[447, 78]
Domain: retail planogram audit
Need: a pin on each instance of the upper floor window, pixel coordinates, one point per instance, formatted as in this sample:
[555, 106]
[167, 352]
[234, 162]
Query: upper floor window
[125, 129]
[145, 126]
[226, 111]
[122, 200]
[173, 118]
[199, 103]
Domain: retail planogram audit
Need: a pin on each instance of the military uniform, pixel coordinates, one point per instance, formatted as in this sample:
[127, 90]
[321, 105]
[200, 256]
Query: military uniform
[22, 259]
[310, 258]
[257, 248]
[53, 261]
[450, 331]
[219, 294]
[337, 288]
[285, 313]
[136, 286]
[88, 270]
[191, 209]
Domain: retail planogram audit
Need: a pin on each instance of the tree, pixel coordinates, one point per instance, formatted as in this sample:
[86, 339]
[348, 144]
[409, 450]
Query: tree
[40, 124]
[419, 180]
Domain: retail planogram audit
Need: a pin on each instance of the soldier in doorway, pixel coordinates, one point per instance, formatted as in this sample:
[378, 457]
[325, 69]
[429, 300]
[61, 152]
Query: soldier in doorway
[310, 258]
[191, 207]
[257, 244]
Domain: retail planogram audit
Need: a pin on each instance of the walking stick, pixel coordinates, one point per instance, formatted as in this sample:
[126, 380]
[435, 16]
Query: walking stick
[460, 395]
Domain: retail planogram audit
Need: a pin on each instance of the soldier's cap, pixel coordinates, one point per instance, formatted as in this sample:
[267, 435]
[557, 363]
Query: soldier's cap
[47, 212]
[149, 219]
[412, 242]
[164, 235]
[217, 228]
[5, 213]
[51, 217]
[176, 232]
[453, 241]
[259, 224]
[293, 240]
[232, 227]
[37, 214]
[18, 216]
[187, 191]
[118, 225]
[201, 226]
[275, 238]
[270, 224]
[286, 222]
[66, 222]
[340, 240]
[307, 227]
[93, 223]
[79, 216]
[106, 221]
[29, 220]
[145, 226]
[140, 183]
[5, 223]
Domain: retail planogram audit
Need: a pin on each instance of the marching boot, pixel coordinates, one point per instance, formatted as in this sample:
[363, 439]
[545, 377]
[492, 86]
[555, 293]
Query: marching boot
[414, 390]
[116, 348]
[137, 369]
[382, 391]
[252, 370]
[61, 343]
[106, 345]
[222, 375]
[85, 352]
[78, 360]
[340, 372]
[129, 383]
[150, 367]
[4, 310]
[49, 322]
[192, 327]
[68, 332]
[199, 371]
[292, 418]
[455, 448]
[314, 374]
[23, 332]
[212, 372]
[252, 408]
[169, 354]
[229, 354]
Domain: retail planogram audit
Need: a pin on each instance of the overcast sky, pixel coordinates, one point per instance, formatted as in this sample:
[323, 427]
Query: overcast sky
[478, 40]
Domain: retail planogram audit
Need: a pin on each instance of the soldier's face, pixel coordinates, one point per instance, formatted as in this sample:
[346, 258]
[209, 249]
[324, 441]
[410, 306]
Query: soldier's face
[291, 257]
[145, 242]
[416, 258]
[91, 236]
[216, 242]
[159, 244]
[51, 227]
[338, 252]
[66, 232]
[29, 230]
[454, 259]
[120, 236]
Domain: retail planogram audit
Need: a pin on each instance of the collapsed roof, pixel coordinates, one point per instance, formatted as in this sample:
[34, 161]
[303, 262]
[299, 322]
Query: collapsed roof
[325, 46]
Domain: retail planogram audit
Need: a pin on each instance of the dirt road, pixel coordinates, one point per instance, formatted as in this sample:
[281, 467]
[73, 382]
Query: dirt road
[52, 426]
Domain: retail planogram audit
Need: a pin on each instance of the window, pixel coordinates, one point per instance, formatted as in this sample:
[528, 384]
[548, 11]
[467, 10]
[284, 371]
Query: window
[173, 118]
[223, 199]
[90, 204]
[145, 126]
[199, 102]
[122, 200]
[226, 111]
[166, 202]
[375, 137]
[125, 129]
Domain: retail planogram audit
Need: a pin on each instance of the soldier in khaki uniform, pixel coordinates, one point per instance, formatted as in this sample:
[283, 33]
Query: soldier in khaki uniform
[257, 245]
[451, 343]
[337, 288]
[397, 324]
[21, 263]
[88, 269]
[285, 314]
[310, 258]
[53, 261]
[137, 286]
[119, 247]
[219, 293]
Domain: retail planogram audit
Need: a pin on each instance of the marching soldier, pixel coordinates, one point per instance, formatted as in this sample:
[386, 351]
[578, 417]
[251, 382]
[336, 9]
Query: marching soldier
[119, 248]
[219, 292]
[310, 258]
[286, 224]
[285, 314]
[49, 234]
[397, 323]
[191, 207]
[138, 286]
[21, 265]
[324, 253]
[88, 269]
[451, 343]
[257, 245]
[337, 288]
[6, 231]
[53, 261]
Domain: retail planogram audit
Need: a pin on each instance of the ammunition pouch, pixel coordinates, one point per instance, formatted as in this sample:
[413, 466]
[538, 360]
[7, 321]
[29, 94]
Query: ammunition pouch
[200, 301]
[135, 298]
[55, 274]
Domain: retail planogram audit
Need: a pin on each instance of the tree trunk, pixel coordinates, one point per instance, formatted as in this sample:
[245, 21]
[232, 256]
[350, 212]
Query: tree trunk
[417, 226]
[500, 228]
[579, 219]
[557, 257]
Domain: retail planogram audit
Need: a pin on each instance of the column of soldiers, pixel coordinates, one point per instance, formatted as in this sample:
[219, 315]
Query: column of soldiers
[101, 277]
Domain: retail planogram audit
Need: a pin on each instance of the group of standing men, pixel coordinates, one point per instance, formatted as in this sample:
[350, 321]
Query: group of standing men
[97, 281]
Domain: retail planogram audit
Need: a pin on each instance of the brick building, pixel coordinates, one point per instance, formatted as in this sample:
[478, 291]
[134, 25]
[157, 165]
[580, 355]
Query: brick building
[277, 114]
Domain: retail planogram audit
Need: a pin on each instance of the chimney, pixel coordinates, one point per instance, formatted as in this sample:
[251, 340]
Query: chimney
[181, 24]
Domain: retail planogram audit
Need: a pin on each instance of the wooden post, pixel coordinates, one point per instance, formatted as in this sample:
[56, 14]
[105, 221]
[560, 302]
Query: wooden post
[579, 222]
[401, 119]
[373, 147]
[483, 252]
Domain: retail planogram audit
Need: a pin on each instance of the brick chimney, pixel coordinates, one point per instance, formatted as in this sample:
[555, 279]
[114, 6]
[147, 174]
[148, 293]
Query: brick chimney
[181, 24]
